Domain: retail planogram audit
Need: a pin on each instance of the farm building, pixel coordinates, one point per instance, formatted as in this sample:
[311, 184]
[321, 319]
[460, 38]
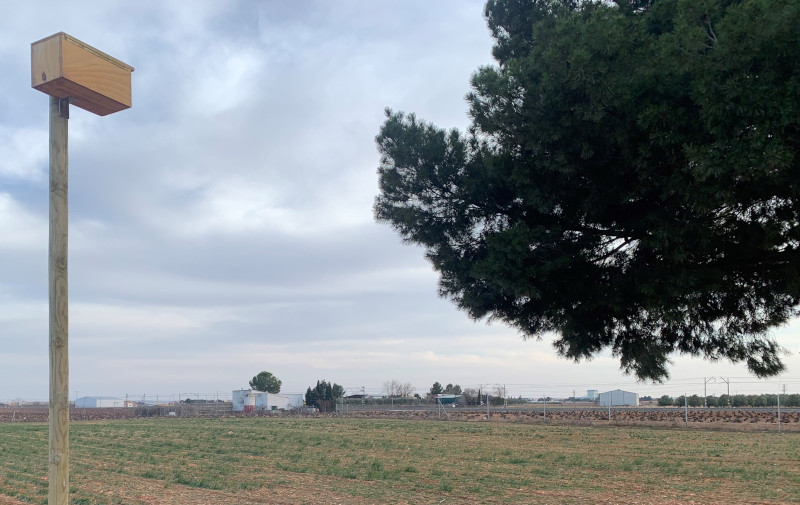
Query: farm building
[259, 400]
[98, 402]
[446, 399]
[618, 398]
[591, 394]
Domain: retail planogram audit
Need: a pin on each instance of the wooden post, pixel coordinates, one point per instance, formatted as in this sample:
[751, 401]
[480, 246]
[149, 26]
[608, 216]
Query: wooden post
[70, 71]
[58, 484]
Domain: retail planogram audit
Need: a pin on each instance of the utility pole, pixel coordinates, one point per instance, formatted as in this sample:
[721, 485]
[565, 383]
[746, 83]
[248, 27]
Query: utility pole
[728, 382]
[69, 71]
[686, 409]
[705, 390]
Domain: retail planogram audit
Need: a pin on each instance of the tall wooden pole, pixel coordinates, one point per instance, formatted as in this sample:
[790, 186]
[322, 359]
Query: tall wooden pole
[58, 483]
[70, 71]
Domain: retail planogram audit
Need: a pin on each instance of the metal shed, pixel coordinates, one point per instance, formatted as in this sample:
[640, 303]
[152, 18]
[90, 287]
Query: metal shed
[618, 398]
[98, 402]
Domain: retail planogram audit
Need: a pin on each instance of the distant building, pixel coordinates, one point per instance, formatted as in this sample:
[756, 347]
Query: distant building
[247, 399]
[591, 394]
[618, 398]
[446, 399]
[99, 402]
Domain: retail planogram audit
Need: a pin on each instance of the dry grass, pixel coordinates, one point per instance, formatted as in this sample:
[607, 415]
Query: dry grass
[355, 461]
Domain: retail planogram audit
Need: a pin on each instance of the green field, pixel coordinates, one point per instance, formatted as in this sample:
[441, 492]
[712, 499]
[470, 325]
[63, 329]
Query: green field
[282, 460]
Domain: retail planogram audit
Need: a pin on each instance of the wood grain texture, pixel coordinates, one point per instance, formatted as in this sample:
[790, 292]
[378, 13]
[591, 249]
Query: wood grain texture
[91, 71]
[45, 60]
[82, 97]
[58, 484]
[65, 67]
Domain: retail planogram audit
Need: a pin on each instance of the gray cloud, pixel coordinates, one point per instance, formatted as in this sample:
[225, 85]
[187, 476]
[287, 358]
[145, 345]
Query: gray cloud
[223, 225]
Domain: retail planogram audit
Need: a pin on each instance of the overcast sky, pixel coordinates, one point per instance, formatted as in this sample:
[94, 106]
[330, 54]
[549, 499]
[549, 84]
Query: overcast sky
[223, 225]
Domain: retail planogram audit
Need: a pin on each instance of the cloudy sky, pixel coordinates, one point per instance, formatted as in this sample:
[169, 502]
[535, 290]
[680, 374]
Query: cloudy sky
[223, 225]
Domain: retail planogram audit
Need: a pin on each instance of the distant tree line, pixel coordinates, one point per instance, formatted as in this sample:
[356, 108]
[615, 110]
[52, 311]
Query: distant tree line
[324, 395]
[396, 389]
[762, 400]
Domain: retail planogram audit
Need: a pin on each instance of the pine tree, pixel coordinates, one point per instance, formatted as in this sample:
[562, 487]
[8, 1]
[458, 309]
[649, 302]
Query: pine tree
[629, 182]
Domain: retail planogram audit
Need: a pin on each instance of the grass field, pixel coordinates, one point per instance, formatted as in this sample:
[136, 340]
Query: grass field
[356, 461]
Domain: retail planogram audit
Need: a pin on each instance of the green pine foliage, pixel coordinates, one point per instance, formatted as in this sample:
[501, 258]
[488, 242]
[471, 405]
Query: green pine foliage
[629, 181]
[265, 381]
[324, 395]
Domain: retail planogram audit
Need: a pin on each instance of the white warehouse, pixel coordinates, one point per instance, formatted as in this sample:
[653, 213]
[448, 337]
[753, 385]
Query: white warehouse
[247, 399]
[618, 398]
[98, 402]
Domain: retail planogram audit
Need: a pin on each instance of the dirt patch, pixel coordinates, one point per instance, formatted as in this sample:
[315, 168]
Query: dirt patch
[698, 418]
[138, 491]
[5, 500]
[734, 419]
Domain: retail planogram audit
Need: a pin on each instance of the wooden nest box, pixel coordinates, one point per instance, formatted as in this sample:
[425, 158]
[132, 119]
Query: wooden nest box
[64, 67]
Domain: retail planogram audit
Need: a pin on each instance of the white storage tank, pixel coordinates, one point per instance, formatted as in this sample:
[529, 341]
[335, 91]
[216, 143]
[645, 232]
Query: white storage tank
[250, 403]
[238, 399]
